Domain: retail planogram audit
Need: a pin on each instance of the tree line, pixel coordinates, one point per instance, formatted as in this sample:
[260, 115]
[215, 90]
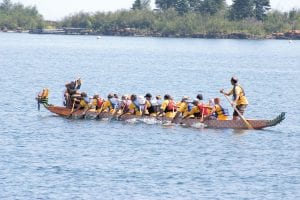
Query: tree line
[16, 15]
[208, 18]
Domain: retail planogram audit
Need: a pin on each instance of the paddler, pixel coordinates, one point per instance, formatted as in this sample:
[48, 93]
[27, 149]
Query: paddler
[71, 92]
[150, 106]
[240, 101]
[183, 108]
[157, 103]
[108, 105]
[168, 107]
[84, 103]
[125, 102]
[96, 102]
[136, 107]
[218, 111]
[200, 110]
[123, 107]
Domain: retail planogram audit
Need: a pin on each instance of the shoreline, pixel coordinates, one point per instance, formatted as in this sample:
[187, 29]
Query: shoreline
[289, 35]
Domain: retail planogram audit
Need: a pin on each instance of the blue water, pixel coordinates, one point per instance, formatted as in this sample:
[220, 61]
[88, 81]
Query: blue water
[43, 156]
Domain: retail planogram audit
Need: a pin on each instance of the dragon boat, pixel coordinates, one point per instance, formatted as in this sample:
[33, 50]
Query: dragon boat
[209, 123]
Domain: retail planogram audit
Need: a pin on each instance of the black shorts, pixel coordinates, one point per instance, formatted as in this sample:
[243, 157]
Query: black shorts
[241, 108]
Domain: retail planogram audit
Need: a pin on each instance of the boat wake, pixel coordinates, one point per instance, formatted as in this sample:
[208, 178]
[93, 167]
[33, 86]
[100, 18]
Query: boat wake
[198, 125]
[165, 123]
[132, 121]
[150, 121]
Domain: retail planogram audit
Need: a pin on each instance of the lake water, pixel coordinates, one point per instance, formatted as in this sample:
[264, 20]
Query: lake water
[43, 156]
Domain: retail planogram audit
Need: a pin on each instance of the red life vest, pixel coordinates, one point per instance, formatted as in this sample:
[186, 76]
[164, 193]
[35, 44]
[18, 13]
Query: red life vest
[99, 102]
[203, 109]
[171, 106]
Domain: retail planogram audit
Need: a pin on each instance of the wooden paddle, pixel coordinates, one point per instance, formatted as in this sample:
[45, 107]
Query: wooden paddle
[72, 110]
[202, 115]
[73, 107]
[115, 110]
[238, 112]
[113, 115]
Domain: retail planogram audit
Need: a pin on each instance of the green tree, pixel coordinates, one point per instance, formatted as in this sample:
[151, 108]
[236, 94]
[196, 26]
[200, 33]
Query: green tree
[195, 4]
[137, 5]
[79, 20]
[165, 4]
[241, 9]
[260, 8]
[6, 5]
[182, 6]
[14, 16]
[294, 19]
[141, 5]
[211, 6]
